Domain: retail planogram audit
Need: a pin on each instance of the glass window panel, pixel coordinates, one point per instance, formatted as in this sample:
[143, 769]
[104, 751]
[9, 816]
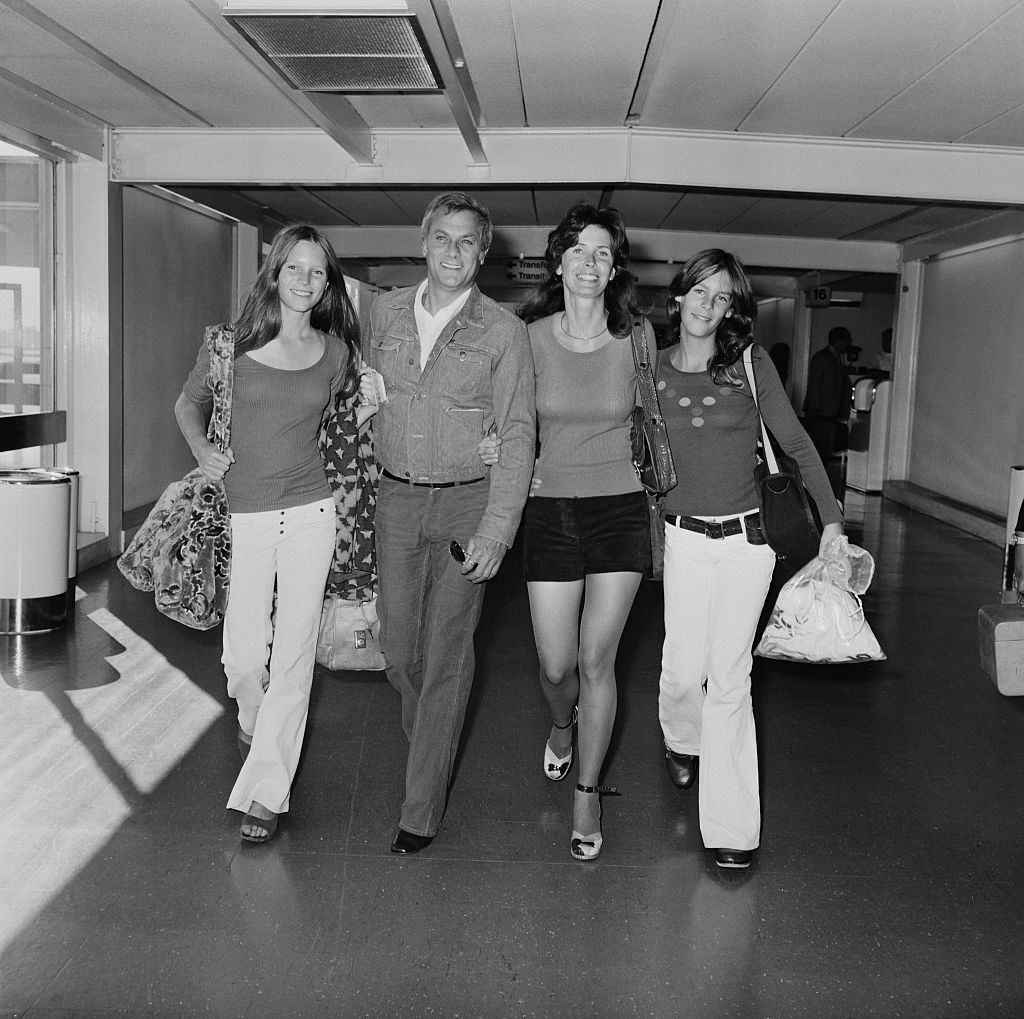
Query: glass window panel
[26, 293]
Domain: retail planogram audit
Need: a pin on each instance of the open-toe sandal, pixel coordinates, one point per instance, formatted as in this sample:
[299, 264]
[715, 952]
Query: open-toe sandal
[588, 847]
[267, 824]
[555, 767]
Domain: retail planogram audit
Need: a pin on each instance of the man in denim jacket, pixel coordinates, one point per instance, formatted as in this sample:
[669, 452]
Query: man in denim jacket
[455, 365]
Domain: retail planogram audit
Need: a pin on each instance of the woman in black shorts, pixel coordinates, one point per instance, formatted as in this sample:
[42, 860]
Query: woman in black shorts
[586, 530]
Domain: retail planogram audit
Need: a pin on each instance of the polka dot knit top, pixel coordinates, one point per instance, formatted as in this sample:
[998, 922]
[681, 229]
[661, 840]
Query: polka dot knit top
[713, 432]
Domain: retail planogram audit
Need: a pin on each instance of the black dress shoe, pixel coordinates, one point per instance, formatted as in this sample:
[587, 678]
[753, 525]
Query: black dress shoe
[735, 859]
[406, 842]
[682, 768]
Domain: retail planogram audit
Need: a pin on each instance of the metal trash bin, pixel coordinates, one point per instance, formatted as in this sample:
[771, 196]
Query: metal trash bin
[75, 479]
[35, 509]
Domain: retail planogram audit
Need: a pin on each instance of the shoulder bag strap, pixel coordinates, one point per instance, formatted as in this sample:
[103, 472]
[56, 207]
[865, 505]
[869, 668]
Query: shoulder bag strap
[644, 372]
[769, 453]
[220, 342]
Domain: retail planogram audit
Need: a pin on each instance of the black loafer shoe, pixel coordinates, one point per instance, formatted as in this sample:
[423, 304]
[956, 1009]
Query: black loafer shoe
[406, 842]
[735, 859]
[682, 768]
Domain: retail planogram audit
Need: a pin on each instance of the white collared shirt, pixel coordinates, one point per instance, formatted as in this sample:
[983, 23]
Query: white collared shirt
[429, 326]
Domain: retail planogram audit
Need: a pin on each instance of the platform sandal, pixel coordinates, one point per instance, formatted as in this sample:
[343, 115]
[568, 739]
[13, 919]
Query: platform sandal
[588, 847]
[555, 767]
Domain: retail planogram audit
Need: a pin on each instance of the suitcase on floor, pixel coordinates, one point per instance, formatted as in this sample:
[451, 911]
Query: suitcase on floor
[1001, 641]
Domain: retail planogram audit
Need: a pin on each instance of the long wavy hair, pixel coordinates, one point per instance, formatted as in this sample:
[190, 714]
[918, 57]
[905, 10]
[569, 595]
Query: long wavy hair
[736, 332]
[621, 300]
[260, 318]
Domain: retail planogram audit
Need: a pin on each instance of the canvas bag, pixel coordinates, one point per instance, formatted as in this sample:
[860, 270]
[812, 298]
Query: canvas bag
[182, 552]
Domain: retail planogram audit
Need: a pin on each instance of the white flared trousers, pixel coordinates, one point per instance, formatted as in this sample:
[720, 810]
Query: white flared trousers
[269, 652]
[714, 592]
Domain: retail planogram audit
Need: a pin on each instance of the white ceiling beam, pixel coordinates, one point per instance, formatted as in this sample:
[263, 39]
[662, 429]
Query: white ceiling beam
[494, 279]
[847, 166]
[51, 122]
[767, 251]
[441, 41]
[952, 173]
[665, 246]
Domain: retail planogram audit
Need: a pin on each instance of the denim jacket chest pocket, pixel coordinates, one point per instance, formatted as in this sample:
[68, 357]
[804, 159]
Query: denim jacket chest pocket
[386, 355]
[463, 370]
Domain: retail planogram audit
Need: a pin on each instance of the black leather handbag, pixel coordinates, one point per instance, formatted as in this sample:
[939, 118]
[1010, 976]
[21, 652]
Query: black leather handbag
[789, 515]
[652, 456]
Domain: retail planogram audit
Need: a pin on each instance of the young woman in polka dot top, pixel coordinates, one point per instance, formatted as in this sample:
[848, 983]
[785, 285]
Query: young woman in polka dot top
[717, 565]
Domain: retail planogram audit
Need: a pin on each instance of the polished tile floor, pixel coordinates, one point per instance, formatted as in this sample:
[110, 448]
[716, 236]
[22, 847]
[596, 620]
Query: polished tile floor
[888, 883]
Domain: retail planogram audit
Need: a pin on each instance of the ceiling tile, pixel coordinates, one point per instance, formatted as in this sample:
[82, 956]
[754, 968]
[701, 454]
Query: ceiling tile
[1007, 129]
[865, 53]
[644, 208]
[572, 72]
[298, 206]
[39, 58]
[710, 75]
[843, 218]
[928, 220]
[923, 111]
[372, 206]
[509, 207]
[168, 44]
[775, 215]
[553, 203]
[703, 212]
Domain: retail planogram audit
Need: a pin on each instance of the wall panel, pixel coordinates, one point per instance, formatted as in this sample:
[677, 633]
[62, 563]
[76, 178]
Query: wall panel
[178, 268]
[968, 424]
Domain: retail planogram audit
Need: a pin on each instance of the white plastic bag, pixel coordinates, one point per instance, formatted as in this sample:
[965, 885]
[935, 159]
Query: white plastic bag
[818, 615]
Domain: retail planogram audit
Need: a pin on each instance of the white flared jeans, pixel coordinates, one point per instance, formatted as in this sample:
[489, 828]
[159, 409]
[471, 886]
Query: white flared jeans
[269, 652]
[714, 592]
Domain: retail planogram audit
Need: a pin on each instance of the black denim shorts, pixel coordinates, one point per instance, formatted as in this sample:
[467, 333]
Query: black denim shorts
[566, 539]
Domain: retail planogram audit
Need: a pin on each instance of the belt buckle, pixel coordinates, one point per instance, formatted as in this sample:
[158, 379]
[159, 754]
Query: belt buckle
[714, 529]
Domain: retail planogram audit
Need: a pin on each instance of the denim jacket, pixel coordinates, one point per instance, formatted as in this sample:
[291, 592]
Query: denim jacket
[479, 373]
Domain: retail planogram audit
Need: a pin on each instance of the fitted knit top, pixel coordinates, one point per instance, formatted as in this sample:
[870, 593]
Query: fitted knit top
[713, 432]
[275, 416]
[584, 406]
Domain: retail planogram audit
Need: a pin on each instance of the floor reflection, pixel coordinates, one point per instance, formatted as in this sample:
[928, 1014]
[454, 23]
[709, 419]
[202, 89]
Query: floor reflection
[887, 882]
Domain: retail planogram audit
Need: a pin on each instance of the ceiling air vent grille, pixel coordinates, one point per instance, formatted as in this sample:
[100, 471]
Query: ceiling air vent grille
[342, 53]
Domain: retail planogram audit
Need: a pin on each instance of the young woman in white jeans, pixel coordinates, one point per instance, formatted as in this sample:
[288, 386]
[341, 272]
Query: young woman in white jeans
[717, 565]
[296, 347]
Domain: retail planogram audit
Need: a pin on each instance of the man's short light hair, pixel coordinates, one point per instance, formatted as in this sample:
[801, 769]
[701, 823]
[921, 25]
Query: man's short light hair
[456, 201]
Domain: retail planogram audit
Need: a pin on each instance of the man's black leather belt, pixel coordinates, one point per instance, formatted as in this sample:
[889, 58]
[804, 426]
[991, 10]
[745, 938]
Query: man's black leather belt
[715, 528]
[429, 484]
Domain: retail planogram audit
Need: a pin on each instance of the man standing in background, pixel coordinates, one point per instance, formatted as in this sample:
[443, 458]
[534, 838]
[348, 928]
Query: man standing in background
[883, 362]
[828, 392]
